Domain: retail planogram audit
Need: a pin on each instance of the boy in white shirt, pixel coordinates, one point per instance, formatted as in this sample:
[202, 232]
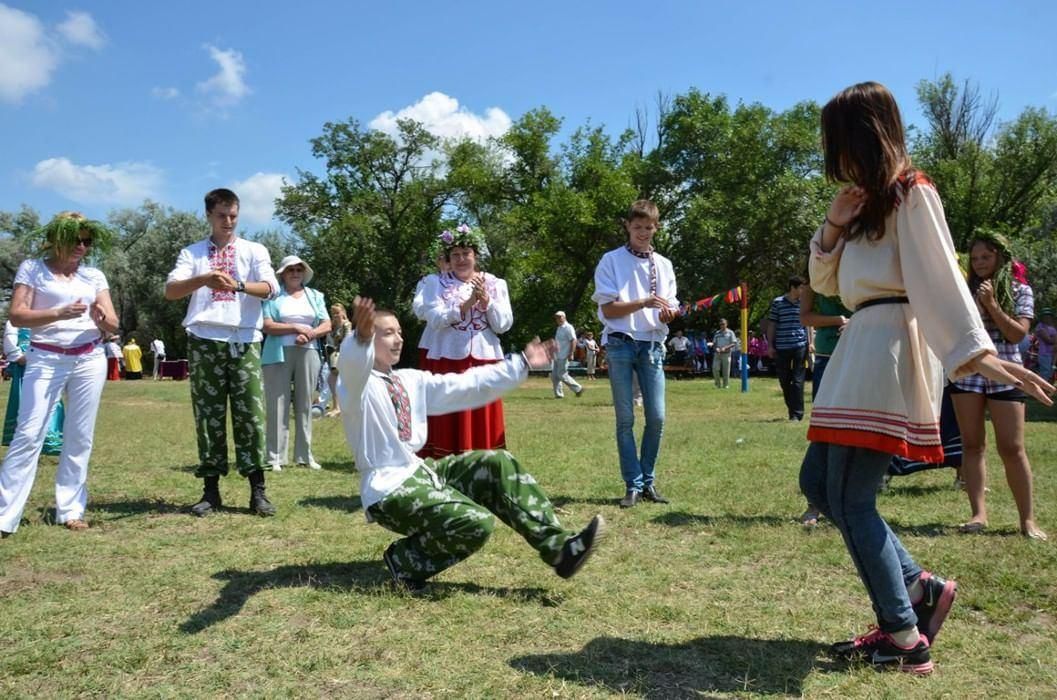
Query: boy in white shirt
[226, 277]
[444, 508]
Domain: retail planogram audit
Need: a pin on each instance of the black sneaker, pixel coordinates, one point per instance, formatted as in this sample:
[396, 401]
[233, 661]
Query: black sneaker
[650, 493]
[401, 581]
[578, 548]
[934, 605]
[878, 649]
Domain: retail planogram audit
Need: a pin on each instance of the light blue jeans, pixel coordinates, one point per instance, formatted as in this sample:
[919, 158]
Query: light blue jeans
[644, 359]
[842, 482]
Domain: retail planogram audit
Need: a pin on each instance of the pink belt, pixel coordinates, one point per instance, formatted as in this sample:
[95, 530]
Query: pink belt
[75, 350]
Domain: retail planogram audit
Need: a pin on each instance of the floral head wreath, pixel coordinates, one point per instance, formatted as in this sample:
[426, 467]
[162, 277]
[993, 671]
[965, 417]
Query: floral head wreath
[1002, 279]
[463, 237]
[62, 232]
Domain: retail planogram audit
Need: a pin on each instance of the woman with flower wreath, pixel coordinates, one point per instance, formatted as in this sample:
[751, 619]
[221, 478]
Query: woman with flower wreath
[67, 307]
[1007, 307]
[466, 310]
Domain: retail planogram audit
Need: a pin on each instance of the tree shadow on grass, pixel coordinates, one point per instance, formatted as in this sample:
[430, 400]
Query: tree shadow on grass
[703, 665]
[946, 529]
[1035, 412]
[128, 509]
[561, 501]
[346, 504]
[683, 519]
[896, 488]
[367, 577]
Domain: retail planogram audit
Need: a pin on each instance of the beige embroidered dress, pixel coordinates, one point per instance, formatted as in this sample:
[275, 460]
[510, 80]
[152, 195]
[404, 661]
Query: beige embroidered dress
[884, 382]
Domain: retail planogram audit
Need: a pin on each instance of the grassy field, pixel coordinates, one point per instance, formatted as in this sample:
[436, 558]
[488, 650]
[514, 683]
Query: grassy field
[720, 594]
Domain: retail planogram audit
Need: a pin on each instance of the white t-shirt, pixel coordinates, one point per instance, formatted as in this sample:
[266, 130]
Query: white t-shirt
[295, 310]
[157, 346]
[50, 292]
[621, 276]
[564, 336]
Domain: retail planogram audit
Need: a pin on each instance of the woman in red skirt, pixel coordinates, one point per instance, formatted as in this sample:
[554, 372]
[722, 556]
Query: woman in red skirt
[465, 312]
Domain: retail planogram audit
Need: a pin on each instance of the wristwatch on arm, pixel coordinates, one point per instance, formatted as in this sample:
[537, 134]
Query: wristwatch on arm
[240, 287]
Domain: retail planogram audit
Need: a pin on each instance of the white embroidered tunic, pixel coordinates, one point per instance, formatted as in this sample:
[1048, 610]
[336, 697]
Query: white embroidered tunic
[476, 335]
[884, 382]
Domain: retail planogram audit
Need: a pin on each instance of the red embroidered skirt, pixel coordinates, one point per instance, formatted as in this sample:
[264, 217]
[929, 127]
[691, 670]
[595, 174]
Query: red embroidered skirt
[113, 369]
[455, 433]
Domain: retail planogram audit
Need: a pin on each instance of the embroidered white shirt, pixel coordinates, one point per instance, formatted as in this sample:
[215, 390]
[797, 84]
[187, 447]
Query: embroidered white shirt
[382, 458]
[235, 318]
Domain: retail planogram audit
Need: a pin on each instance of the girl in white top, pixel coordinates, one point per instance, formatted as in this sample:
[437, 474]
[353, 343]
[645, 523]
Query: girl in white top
[67, 306]
[885, 249]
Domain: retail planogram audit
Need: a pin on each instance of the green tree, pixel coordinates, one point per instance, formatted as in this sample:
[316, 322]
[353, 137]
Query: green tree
[366, 224]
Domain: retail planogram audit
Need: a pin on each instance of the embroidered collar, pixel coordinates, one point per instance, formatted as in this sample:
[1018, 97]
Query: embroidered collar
[637, 254]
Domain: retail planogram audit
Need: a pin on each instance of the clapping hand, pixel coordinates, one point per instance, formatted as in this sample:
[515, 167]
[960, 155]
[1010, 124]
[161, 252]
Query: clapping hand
[74, 310]
[220, 281]
[985, 295]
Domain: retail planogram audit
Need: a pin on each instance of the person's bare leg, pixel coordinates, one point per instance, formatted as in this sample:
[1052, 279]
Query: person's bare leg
[1008, 419]
[969, 408]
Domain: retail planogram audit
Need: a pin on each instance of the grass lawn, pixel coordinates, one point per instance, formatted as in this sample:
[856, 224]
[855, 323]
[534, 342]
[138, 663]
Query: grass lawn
[720, 594]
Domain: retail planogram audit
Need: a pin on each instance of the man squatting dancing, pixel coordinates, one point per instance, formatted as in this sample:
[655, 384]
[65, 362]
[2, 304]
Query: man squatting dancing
[444, 508]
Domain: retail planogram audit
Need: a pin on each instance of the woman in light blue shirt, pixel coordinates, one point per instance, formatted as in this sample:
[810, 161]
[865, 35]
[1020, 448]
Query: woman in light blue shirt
[293, 323]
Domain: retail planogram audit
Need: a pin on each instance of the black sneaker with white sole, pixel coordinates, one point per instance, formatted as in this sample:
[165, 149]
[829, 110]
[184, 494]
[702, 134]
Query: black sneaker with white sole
[578, 548]
[879, 649]
[934, 605]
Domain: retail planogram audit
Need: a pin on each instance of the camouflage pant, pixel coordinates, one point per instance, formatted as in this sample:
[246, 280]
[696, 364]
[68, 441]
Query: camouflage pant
[222, 372]
[446, 510]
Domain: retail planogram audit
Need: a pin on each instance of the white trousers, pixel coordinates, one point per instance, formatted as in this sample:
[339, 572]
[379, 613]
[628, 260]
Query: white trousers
[560, 375]
[48, 376]
[301, 366]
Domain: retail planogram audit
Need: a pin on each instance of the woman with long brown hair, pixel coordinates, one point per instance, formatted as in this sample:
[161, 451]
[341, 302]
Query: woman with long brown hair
[1007, 307]
[885, 249]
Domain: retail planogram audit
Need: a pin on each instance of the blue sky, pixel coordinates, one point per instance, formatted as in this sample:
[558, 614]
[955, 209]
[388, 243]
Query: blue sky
[105, 103]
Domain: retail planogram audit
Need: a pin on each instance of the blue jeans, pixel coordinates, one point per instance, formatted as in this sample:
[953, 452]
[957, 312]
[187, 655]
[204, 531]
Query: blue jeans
[842, 482]
[645, 359]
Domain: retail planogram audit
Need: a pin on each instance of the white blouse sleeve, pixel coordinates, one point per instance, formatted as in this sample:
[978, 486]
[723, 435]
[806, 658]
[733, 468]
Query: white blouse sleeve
[476, 387]
[12, 352]
[823, 267]
[436, 313]
[500, 314]
[938, 294]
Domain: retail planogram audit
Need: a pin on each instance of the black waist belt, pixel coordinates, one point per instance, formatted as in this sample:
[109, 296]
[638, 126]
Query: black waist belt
[882, 300]
[622, 336]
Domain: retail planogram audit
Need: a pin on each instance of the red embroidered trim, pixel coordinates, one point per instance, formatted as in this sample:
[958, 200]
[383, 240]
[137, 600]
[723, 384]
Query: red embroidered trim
[878, 442]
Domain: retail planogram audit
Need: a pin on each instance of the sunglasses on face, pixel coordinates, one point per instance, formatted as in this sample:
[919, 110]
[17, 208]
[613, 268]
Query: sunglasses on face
[295, 269]
[86, 242]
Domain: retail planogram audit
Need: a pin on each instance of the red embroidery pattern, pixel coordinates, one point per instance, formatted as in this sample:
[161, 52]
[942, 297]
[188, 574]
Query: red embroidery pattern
[401, 404]
[223, 260]
[454, 291]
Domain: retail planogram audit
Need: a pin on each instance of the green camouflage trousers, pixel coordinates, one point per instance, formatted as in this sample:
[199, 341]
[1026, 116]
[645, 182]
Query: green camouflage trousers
[222, 372]
[446, 510]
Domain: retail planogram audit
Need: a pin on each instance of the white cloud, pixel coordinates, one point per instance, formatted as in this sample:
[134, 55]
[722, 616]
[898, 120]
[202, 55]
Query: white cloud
[81, 30]
[122, 183]
[165, 93]
[257, 195]
[442, 116]
[228, 86]
[28, 57]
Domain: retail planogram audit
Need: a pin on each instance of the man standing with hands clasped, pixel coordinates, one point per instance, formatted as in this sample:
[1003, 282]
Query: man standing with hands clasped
[635, 293]
[565, 339]
[226, 277]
